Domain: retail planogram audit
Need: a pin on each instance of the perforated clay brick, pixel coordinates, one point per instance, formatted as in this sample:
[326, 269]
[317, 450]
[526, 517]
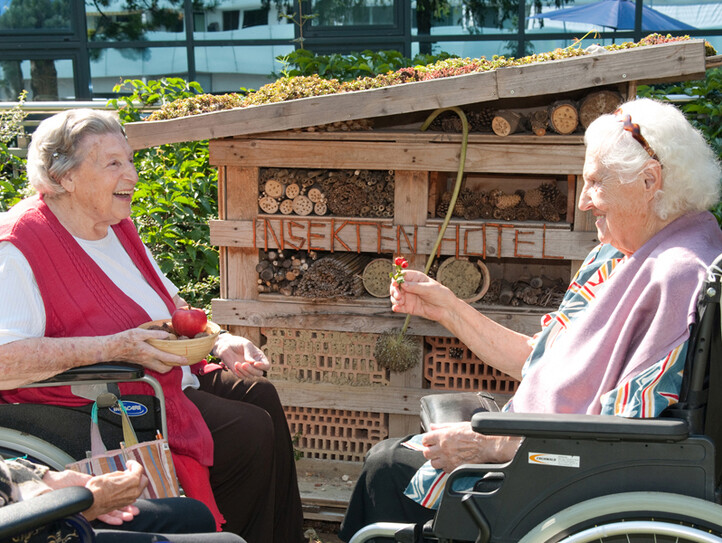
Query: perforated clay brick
[335, 434]
[450, 365]
[319, 356]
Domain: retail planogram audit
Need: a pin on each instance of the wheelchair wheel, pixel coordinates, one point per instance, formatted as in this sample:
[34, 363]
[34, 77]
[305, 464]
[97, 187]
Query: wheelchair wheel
[633, 517]
[14, 444]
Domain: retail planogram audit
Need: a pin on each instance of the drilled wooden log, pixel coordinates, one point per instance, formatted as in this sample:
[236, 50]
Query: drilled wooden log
[286, 207]
[563, 117]
[315, 195]
[320, 208]
[268, 205]
[302, 205]
[273, 188]
[292, 191]
[598, 103]
[506, 122]
[539, 121]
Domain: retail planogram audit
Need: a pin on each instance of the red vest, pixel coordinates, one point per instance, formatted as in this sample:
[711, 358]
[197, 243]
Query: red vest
[80, 300]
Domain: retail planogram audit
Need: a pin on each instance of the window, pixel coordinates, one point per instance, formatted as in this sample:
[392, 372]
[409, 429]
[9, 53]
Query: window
[255, 17]
[231, 19]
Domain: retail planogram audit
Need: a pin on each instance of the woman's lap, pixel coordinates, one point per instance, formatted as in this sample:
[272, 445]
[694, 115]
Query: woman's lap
[253, 476]
[378, 495]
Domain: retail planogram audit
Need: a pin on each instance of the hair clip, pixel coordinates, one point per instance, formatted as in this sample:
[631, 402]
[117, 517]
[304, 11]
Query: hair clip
[55, 155]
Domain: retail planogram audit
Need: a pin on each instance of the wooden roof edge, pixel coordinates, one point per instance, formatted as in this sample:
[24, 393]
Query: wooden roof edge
[677, 59]
[714, 61]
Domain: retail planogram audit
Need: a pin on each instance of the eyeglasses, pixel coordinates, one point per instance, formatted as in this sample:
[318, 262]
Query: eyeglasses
[633, 128]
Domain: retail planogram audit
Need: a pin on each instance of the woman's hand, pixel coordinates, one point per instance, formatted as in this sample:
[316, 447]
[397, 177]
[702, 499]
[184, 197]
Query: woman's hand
[114, 494]
[241, 356]
[131, 346]
[450, 445]
[420, 295]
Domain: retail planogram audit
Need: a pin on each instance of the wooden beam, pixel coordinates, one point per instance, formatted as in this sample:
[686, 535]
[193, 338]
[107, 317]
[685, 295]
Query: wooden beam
[388, 399]
[462, 238]
[502, 157]
[364, 315]
[649, 63]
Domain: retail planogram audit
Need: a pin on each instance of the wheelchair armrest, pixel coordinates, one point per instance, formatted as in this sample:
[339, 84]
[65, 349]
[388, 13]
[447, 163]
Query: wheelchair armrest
[599, 427]
[20, 517]
[103, 371]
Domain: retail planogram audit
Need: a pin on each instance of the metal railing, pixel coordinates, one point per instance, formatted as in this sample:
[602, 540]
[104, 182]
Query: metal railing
[38, 111]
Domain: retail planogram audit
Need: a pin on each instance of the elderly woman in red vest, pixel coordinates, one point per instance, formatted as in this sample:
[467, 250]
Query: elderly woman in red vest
[75, 283]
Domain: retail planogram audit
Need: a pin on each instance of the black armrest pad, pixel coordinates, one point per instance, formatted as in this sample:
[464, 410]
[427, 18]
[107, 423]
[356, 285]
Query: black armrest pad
[20, 517]
[601, 427]
[454, 407]
[104, 371]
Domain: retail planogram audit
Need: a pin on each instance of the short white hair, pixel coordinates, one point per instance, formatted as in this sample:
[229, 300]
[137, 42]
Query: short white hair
[54, 148]
[691, 172]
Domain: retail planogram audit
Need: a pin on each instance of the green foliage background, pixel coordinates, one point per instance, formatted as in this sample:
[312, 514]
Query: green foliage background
[703, 108]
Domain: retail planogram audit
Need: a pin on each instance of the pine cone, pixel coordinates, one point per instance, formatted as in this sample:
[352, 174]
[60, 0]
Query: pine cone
[548, 212]
[507, 201]
[561, 204]
[533, 198]
[494, 196]
[550, 191]
[459, 209]
[486, 211]
[441, 209]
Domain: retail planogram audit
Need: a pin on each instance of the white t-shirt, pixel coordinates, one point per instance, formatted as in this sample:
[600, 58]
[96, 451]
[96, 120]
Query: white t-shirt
[22, 312]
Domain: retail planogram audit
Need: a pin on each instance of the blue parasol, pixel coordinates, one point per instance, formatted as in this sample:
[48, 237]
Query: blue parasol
[616, 14]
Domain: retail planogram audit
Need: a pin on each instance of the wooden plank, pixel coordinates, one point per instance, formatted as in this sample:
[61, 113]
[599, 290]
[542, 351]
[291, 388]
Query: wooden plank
[505, 157]
[388, 399]
[239, 192]
[462, 238]
[681, 60]
[364, 315]
[411, 195]
[318, 110]
[407, 135]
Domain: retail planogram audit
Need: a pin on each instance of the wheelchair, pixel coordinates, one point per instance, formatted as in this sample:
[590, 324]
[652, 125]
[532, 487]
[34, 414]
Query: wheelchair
[582, 478]
[58, 435]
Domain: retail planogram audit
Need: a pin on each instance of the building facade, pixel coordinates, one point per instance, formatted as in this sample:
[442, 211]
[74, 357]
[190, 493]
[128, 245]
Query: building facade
[75, 50]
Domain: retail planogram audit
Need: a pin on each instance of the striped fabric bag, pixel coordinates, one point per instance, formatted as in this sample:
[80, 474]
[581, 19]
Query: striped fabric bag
[154, 456]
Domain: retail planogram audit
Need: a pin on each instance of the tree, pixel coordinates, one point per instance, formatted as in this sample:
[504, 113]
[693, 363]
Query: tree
[476, 14]
[35, 14]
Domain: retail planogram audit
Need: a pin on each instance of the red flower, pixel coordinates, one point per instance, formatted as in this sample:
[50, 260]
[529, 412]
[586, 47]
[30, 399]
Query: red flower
[400, 264]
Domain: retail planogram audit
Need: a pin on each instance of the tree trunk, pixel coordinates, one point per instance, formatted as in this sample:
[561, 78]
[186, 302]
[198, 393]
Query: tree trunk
[44, 80]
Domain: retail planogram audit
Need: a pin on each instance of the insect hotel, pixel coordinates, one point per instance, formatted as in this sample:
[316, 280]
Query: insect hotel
[318, 195]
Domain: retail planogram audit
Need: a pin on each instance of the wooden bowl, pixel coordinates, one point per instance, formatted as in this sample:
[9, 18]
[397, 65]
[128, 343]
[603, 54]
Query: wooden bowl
[195, 349]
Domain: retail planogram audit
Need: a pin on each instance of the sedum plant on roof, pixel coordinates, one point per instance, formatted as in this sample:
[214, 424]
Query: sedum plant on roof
[292, 88]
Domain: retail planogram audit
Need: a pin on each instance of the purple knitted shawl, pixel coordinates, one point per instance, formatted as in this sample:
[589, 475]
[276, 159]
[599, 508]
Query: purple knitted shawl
[641, 314]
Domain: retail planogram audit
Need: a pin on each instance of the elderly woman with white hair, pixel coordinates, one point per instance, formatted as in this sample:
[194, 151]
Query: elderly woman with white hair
[76, 281]
[615, 346]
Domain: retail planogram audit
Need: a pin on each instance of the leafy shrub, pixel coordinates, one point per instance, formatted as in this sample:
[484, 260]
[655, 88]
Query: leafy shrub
[353, 65]
[176, 195]
[704, 110]
[13, 178]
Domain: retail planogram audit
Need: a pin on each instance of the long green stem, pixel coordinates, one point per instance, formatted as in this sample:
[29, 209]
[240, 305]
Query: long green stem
[457, 187]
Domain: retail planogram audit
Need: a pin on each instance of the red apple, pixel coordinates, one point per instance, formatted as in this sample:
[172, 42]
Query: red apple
[189, 321]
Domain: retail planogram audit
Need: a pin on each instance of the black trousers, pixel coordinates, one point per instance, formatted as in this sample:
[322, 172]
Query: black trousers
[379, 492]
[181, 520]
[254, 472]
